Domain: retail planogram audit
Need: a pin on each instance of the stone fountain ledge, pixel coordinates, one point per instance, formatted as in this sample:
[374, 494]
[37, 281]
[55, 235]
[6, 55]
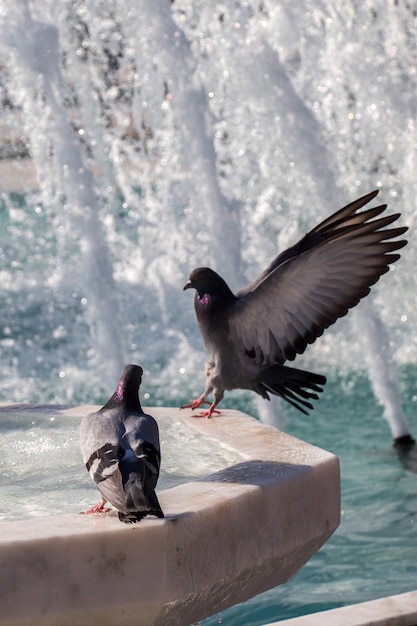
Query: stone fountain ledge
[398, 610]
[226, 537]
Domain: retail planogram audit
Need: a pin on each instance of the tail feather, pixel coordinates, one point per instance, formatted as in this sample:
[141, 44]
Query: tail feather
[131, 517]
[295, 386]
[141, 501]
[139, 480]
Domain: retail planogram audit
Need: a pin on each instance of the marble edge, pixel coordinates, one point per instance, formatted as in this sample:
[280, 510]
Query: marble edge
[397, 610]
[257, 444]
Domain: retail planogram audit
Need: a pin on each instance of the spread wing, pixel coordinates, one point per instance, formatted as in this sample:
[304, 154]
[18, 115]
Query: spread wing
[309, 286]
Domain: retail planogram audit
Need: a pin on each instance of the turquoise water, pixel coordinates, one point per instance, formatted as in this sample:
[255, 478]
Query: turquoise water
[374, 551]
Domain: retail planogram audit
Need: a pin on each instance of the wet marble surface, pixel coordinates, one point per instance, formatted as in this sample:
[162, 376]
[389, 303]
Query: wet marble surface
[225, 538]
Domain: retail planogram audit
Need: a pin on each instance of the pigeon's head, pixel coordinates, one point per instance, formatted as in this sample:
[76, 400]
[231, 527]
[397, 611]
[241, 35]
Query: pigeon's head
[127, 390]
[132, 374]
[129, 382]
[207, 282]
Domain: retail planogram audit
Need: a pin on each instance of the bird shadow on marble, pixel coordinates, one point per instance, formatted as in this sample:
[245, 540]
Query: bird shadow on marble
[255, 472]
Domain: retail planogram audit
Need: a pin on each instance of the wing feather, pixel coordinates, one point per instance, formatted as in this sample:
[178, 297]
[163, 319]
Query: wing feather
[308, 287]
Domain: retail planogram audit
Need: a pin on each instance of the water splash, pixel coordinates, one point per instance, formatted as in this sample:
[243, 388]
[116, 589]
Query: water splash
[36, 53]
[383, 371]
[168, 135]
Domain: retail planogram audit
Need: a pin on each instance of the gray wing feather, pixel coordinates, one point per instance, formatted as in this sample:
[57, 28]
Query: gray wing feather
[314, 284]
[100, 443]
[331, 225]
[144, 429]
[97, 430]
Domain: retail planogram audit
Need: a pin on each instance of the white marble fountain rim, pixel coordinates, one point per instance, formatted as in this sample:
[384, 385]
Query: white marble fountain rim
[226, 537]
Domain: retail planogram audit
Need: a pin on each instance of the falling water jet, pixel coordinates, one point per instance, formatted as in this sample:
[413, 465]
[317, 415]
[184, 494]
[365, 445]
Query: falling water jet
[171, 52]
[37, 47]
[382, 371]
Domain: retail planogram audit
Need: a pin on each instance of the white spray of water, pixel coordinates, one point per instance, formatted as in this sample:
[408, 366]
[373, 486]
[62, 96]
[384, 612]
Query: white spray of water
[36, 46]
[225, 129]
[189, 100]
[382, 368]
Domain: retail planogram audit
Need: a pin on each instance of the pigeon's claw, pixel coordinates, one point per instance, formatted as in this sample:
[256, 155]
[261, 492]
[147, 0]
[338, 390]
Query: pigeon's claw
[212, 409]
[97, 508]
[194, 404]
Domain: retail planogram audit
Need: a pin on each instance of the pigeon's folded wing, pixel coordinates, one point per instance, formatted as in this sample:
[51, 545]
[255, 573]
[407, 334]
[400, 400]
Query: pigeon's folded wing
[293, 304]
[104, 462]
[143, 437]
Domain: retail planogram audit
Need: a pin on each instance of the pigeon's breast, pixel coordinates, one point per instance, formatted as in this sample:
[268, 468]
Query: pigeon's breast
[210, 310]
[203, 304]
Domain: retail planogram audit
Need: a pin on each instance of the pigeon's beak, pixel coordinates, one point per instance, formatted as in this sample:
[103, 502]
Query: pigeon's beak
[187, 285]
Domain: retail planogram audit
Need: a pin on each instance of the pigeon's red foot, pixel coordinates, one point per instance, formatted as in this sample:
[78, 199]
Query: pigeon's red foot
[212, 409]
[194, 404]
[97, 508]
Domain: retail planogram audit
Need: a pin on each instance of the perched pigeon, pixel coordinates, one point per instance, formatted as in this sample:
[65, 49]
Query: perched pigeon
[305, 289]
[120, 448]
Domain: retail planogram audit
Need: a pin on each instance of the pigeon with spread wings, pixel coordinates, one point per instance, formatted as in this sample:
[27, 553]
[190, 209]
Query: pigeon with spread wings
[251, 334]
